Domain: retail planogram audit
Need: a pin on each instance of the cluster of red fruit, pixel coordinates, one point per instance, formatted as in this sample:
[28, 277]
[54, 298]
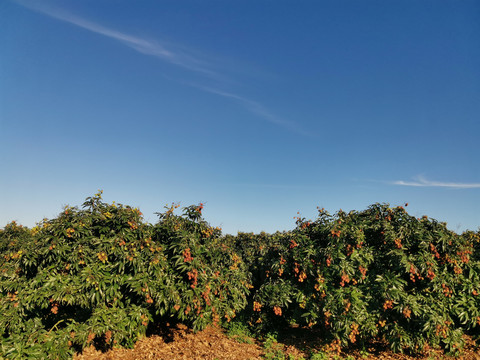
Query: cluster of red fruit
[447, 291]
[363, 271]
[187, 256]
[144, 319]
[344, 279]
[192, 275]
[353, 333]
[257, 306]
[147, 295]
[54, 308]
[433, 249]
[465, 255]
[413, 272]
[398, 243]
[388, 304]
[335, 233]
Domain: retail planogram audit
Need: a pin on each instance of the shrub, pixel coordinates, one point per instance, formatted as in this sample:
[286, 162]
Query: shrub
[379, 273]
[211, 279]
[102, 275]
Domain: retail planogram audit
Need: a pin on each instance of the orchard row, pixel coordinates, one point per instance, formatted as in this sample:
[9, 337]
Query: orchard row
[101, 275]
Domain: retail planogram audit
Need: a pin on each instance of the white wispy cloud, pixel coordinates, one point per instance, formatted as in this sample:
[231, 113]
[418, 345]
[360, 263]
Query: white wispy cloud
[420, 181]
[256, 108]
[144, 46]
[175, 55]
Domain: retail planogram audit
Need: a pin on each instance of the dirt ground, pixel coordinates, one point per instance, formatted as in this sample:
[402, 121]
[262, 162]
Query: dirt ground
[180, 343]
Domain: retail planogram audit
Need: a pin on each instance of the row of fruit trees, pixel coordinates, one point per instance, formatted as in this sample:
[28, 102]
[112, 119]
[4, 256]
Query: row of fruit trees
[101, 275]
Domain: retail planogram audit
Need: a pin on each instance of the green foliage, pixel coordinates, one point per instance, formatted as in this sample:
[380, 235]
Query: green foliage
[379, 273]
[273, 350]
[101, 275]
[239, 330]
[211, 280]
[319, 356]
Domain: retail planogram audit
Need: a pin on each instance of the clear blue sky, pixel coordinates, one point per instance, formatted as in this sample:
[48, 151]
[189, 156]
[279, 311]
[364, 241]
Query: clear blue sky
[257, 108]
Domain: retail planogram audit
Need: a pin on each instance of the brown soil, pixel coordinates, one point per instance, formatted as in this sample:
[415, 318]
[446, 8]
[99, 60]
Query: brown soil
[180, 343]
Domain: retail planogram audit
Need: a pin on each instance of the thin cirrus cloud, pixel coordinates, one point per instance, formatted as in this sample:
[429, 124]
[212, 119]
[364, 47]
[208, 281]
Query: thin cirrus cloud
[256, 108]
[422, 182]
[167, 54]
[144, 46]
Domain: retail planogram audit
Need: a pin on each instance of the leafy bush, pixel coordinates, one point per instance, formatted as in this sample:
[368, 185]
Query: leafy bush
[211, 280]
[379, 273]
[101, 275]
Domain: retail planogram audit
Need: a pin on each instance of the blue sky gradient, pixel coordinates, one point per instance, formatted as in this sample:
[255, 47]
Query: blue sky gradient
[258, 108]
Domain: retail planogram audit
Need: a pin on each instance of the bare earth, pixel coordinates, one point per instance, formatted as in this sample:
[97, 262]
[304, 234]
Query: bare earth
[180, 343]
